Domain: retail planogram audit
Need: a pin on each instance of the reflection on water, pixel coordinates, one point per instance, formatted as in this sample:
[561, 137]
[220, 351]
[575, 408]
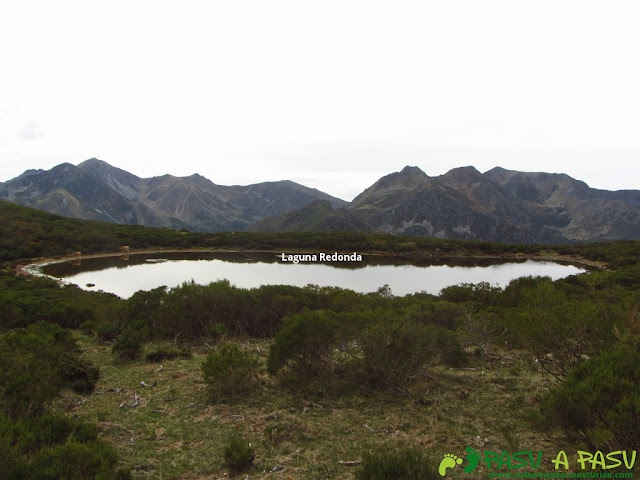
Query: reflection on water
[124, 276]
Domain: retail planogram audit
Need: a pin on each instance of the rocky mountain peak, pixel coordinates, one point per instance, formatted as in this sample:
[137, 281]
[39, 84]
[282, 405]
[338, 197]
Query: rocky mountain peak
[498, 173]
[100, 167]
[407, 179]
[63, 167]
[413, 171]
[94, 161]
[463, 175]
[123, 182]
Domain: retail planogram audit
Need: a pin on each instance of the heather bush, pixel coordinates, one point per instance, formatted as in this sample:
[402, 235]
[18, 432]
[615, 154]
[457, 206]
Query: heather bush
[305, 344]
[238, 454]
[229, 371]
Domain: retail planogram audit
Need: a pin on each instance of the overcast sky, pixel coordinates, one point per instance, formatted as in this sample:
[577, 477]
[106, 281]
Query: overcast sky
[332, 95]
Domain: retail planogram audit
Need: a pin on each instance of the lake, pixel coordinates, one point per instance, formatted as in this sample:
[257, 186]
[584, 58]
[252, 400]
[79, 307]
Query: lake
[125, 275]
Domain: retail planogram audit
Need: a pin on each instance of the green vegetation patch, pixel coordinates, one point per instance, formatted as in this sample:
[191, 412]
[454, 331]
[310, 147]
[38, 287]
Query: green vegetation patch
[314, 383]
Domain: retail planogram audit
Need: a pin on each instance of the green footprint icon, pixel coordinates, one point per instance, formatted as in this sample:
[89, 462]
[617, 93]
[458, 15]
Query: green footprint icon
[448, 461]
[473, 457]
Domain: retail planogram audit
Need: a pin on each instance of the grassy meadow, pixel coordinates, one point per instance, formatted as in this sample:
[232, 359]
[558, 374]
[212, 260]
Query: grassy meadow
[176, 432]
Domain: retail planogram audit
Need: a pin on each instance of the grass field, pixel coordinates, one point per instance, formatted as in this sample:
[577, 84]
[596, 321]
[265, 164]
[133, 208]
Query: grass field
[304, 431]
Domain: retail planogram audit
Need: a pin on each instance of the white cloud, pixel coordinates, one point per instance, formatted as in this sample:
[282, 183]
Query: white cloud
[30, 131]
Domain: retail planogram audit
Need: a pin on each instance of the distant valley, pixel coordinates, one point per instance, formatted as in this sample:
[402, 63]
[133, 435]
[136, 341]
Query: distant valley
[498, 205]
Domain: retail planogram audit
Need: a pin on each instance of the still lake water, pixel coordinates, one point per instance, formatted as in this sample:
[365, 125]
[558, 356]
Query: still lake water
[124, 276]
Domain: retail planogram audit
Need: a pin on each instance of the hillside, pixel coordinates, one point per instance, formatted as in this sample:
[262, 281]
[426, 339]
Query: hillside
[27, 233]
[312, 383]
[95, 190]
[497, 206]
[318, 216]
[309, 383]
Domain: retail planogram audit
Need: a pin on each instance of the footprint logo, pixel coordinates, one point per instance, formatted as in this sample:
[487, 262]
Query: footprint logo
[448, 461]
[473, 457]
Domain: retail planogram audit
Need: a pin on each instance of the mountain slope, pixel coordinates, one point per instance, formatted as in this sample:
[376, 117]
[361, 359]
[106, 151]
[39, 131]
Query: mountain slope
[579, 212]
[499, 205]
[96, 190]
[70, 191]
[318, 216]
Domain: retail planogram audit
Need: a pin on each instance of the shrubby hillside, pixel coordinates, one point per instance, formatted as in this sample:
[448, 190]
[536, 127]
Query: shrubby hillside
[198, 381]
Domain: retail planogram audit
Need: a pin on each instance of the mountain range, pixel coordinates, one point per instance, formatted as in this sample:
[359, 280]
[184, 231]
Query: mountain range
[95, 190]
[498, 205]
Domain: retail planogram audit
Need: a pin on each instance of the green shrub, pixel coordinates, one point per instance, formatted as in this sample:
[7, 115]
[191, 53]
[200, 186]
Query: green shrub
[438, 313]
[128, 347]
[395, 352]
[218, 331]
[305, 344]
[229, 371]
[81, 376]
[12, 466]
[447, 347]
[482, 292]
[405, 464]
[557, 330]
[238, 454]
[53, 446]
[599, 403]
[53, 429]
[68, 314]
[192, 310]
[79, 461]
[35, 364]
[108, 331]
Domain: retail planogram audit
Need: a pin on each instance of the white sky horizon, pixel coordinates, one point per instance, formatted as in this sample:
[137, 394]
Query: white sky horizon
[331, 95]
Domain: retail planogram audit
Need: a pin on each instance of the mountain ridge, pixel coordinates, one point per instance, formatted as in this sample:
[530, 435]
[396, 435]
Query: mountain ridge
[95, 190]
[498, 205]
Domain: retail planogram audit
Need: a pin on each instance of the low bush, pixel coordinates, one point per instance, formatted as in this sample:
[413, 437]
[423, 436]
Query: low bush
[238, 454]
[447, 347]
[128, 347]
[78, 461]
[53, 446]
[218, 331]
[35, 364]
[305, 344]
[229, 371]
[599, 403]
[108, 331]
[395, 352]
[559, 331]
[167, 353]
[405, 464]
[81, 376]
